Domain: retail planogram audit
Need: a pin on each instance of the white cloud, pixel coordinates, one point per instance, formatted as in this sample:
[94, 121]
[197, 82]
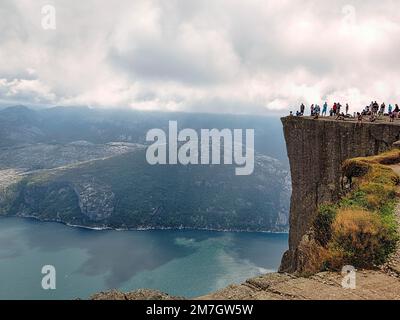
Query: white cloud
[257, 56]
[26, 90]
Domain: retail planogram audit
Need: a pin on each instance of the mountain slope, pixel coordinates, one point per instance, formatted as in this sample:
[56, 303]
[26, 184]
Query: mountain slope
[124, 191]
[62, 125]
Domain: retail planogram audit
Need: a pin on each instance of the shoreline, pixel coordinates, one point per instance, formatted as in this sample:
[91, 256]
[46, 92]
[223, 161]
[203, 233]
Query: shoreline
[105, 228]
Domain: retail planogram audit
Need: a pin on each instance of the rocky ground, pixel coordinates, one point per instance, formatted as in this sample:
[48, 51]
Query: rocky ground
[380, 119]
[370, 285]
[142, 294]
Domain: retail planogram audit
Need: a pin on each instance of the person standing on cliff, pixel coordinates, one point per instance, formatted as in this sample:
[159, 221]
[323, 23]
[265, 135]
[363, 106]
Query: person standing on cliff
[324, 109]
[382, 110]
[366, 111]
[359, 118]
[334, 108]
[317, 111]
[375, 108]
[391, 116]
[302, 109]
[396, 111]
[347, 109]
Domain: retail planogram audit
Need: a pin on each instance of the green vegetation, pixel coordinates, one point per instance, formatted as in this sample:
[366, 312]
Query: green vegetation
[361, 228]
[323, 223]
[146, 196]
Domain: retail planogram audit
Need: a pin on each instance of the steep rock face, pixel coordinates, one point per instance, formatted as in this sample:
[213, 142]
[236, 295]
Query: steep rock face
[316, 150]
[96, 200]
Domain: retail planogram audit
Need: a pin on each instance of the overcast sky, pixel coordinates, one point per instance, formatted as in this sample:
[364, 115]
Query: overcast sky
[253, 56]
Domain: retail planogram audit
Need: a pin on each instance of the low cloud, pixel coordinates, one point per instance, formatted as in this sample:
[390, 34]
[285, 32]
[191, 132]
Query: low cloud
[231, 56]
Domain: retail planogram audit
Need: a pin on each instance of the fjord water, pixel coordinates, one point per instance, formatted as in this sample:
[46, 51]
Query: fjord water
[180, 262]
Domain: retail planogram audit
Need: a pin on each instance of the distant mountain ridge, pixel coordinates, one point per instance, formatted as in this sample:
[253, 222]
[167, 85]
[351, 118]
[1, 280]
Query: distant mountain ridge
[21, 125]
[88, 167]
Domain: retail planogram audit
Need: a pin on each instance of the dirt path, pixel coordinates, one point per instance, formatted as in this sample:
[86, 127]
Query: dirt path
[396, 168]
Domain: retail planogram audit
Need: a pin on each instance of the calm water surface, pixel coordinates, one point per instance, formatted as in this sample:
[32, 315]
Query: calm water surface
[184, 263]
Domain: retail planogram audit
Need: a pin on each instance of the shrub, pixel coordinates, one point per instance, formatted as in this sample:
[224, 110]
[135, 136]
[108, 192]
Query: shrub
[379, 173]
[361, 229]
[361, 238]
[354, 168]
[388, 157]
[323, 223]
[355, 199]
[374, 168]
[376, 195]
[313, 258]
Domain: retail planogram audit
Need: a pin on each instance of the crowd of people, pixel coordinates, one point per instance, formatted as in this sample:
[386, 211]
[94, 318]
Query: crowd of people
[372, 112]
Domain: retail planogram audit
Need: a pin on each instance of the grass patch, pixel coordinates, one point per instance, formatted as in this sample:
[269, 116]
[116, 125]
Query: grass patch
[360, 238]
[361, 228]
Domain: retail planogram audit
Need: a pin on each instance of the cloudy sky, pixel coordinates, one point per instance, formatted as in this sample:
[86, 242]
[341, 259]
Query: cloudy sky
[253, 56]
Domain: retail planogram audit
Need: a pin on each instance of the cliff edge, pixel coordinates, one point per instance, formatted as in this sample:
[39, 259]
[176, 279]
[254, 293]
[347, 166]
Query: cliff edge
[316, 151]
[324, 158]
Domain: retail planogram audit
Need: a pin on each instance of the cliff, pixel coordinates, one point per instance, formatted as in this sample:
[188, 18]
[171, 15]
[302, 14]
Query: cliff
[316, 151]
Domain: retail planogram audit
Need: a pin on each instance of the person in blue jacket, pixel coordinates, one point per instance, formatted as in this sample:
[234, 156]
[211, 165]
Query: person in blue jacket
[324, 109]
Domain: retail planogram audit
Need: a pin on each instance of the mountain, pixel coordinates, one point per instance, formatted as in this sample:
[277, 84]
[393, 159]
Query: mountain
[88, 167]
[124, 191]
[60, 125]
